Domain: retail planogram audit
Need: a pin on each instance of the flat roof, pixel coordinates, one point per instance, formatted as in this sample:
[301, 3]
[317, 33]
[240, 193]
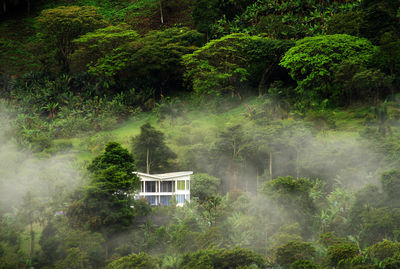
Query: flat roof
[166, 175]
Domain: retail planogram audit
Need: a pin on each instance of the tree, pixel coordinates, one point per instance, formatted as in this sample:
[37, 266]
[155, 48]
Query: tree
[314, 61]
[223, 65]
[384, 249]
[205, 13]
[345, 23]
[140, 261]
[155, 59]
[219, 66]
[293, 195]
[203, 186]
[49, 242]
[75, 259]
[211, 209]
[31, 212]
[292, 251]
[107, 203]
[92, 244]
[390, 181]
[341, 251]
[150, 150]
[373, 28]
[303, 264]
[228, 152]
[222, 259]
[93, 46]
[60, 26]
[378, 224]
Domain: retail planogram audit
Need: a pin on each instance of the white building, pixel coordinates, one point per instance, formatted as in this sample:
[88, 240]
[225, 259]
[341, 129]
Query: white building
[159, 189]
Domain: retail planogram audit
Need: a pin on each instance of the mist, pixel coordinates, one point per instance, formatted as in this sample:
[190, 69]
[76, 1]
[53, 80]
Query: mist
[48, 179]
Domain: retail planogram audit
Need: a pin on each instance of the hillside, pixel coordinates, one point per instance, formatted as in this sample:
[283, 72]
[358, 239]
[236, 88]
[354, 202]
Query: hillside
[287, 112]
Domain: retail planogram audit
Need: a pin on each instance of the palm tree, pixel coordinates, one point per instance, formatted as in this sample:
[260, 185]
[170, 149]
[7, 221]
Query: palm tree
[52, 109]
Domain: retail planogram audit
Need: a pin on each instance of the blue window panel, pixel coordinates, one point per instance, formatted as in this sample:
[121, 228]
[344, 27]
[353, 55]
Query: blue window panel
[151, 199]
[164, 200]
[180, 198]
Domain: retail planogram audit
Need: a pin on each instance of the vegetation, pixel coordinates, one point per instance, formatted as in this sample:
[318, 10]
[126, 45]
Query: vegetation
[287, 112]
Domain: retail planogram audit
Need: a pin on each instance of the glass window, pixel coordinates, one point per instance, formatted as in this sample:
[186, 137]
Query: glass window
[151, 199]
[166, 186]
[164, 200]
[180, 198]
[181, 185]
[150, 186]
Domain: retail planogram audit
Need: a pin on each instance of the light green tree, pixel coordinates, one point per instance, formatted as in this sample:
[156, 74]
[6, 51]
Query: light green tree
[314, 61]
[93, 46]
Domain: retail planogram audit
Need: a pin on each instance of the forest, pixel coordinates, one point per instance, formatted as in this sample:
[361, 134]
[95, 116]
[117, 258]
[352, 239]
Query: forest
[286, 111]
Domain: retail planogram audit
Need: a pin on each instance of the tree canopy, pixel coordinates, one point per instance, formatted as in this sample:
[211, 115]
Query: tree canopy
[314, 61]
[150, 150]
[107, 202]
[61, 25]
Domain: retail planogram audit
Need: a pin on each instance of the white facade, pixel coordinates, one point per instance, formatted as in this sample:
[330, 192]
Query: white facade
[159, 189]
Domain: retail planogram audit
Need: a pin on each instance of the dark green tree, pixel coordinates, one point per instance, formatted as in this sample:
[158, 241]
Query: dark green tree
[390, 181]
[150, 150]
[49, 242]
[155, 59]
[75, 259]
[140, 261]
[31, 212]
[205, 13]
[60, 25]
[107, 202]
[383, 250]
[224, 65]
[292, 251]
[341, 251]
[303, 264]
[223, 259]
[379, 17]
[293, 195]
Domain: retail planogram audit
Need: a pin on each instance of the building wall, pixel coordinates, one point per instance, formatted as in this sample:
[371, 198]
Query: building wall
[181, 190]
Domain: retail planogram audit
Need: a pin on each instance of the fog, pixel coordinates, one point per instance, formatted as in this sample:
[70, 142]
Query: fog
[48, 179]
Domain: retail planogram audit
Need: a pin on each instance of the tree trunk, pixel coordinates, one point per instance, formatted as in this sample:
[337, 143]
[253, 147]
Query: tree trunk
[161, 13]
[4, 6]
[28, 6]
[232, 179]
[297, 163]
[270, 165]
[147, 162]
[106, 250]
[257, 175]
[265, 76]
[32, 234]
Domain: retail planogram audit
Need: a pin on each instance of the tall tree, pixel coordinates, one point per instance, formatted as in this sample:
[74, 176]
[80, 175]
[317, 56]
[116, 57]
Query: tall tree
[228, 150]
[31, 212]
[106, 206]
[150, 150]
[59, 26]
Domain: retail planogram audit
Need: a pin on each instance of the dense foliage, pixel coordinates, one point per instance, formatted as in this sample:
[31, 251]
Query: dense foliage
[288, 112]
